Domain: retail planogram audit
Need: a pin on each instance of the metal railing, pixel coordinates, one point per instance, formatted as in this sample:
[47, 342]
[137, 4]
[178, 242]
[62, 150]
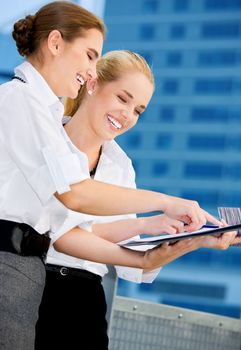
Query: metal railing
[139, 325]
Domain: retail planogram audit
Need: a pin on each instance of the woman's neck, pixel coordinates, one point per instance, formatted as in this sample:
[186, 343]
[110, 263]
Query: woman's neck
[84, 139]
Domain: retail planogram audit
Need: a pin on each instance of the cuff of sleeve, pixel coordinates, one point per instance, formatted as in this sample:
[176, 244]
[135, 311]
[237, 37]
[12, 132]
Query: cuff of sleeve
[131, 274]
[148, 277]
[64, 170]
[136, 275]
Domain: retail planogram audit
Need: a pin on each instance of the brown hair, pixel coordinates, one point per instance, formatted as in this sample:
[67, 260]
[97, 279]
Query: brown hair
[111, 67]
[69, 19]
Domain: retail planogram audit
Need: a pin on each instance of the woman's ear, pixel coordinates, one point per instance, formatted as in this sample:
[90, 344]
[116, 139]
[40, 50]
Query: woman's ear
[90, 85]
[54, 42]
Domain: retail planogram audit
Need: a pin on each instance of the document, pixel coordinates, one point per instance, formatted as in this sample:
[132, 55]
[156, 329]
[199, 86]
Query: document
[153, 241]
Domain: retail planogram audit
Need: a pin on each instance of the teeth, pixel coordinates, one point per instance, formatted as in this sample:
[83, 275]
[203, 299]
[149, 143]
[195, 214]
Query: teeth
[80, 79]
[114, 122]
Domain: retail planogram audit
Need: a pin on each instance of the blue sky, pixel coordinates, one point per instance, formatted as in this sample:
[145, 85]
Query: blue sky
[14, 9]
[11, 10]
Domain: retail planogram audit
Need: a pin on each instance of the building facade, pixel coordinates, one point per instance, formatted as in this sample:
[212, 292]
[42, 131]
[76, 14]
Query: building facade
[188, 142]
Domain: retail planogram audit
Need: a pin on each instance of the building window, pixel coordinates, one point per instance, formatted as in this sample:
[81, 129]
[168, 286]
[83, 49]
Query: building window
[163, 141]
[180, 5]
[204, 197]
[150, 6]
[159, 168]
[222, 4]
[234, 172]
[133, 140]
[217, 58]
[206, 142]
[203, 170]
[147, 32]
[178, 31]
[148, 57]
[170, 86]
[210, 114]
[222, 30]
[167, 114]
[237, 86]
[174, 58]
[231, 199]
[213, 86]
[235, 114]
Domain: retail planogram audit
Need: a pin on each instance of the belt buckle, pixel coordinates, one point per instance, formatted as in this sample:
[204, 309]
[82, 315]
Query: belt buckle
[64, 271]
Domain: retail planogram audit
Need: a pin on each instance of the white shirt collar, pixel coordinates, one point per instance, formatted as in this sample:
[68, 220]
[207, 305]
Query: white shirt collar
[111, 151]
[27, 72]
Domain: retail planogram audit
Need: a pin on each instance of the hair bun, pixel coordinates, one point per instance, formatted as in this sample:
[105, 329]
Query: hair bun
[22, 34]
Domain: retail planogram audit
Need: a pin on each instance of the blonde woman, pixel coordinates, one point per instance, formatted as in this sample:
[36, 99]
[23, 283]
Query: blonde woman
[72, 313]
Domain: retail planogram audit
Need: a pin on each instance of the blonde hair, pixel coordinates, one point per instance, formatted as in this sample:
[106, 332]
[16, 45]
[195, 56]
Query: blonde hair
[111, 67]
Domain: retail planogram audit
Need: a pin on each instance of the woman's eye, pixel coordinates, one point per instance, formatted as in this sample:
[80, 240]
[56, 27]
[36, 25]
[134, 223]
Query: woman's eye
[138, 112]
[122, 99]
[90, 57]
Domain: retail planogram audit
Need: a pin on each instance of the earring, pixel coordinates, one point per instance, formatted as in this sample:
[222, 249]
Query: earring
[90, 92]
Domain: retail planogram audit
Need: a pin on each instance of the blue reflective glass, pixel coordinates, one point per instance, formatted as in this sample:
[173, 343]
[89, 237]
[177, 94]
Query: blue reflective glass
[206, 142]
[170, 86]
[204, 114]
[180, 5]
[203, 196]
[147, 31]
[150, 6]
[148, 56]
[178, 31]
[213, 86]
[163, 141]
[174, 59]
[217, 58]
[221, 30]
[159, 168]
[167, 114]
[222, 4]
[133, 140]
[203, 170]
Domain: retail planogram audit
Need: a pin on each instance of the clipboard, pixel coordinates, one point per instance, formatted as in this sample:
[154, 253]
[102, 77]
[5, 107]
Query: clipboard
[173, 238]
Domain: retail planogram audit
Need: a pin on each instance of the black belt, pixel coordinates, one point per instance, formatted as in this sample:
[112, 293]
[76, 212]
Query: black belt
[22, 239]
[70, 271]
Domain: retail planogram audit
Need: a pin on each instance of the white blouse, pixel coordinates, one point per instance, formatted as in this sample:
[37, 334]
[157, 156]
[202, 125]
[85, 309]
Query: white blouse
[114, 167]
[35, 159]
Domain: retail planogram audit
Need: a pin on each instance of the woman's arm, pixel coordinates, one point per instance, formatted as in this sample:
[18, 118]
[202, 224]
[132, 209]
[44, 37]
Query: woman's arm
[123, 229]
[98, 198]
[85, 245]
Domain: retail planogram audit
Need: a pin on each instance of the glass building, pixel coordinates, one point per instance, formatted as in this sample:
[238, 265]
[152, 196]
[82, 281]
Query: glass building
[188, 142]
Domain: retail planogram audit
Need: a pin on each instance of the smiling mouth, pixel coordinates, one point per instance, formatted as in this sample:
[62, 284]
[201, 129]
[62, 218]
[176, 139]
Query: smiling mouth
[80, 79]
[114, 122]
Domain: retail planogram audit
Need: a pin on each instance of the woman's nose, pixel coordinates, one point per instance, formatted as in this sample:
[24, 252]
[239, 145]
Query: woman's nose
[125, 115]
[91, 73]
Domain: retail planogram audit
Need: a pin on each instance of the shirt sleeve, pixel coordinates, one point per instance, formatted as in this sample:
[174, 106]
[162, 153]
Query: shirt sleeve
[33, 140]
[132, 274]
[136, 275]
[87, 226]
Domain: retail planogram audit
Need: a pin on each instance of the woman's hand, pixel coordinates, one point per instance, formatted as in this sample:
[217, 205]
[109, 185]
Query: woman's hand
[166, 253]
[222, 242]
[155, 225]
[236, 241]
[189, 212]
